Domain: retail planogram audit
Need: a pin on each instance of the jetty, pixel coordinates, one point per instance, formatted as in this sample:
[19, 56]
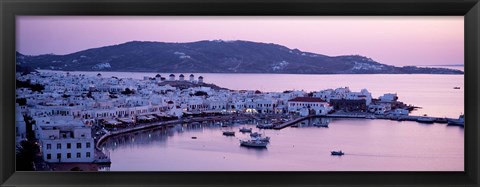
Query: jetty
[362, 116]
[289, 123]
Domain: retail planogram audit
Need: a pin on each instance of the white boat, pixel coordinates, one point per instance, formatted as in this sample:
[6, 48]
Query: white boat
[263, 139]
[458, 122]
[425, 119]
[243, 129]
[253, 143]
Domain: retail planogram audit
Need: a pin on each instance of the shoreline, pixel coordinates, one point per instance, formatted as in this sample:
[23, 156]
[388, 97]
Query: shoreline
[105, 137]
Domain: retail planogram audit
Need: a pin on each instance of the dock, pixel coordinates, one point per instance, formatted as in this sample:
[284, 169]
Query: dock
[362, 116]
[289, 123]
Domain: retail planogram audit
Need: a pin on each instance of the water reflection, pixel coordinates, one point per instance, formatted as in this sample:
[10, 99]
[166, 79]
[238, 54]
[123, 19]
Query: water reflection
[382, 145]
[160, 135]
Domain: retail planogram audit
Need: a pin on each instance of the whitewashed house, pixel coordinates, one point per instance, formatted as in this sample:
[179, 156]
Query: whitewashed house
[388, 97]
[66, 144]
[20, 126]
[317, 106]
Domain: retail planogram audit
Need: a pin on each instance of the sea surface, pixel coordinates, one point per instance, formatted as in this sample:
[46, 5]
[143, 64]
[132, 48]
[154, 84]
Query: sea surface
[370, 145]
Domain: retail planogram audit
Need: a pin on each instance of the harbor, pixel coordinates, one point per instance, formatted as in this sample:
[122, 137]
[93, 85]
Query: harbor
[152, 104]
[306, 147]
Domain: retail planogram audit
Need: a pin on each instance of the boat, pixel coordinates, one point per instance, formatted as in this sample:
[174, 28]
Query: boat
[253, 143]
[263, 139]
[425, 119]
[337, 153]
[457, 122]
[243, 129]
[194, 137]
[255, 134]
[456, 87]
[259, 137]
[229, 133]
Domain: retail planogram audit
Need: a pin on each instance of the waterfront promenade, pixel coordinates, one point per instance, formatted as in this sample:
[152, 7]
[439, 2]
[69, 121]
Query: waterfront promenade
[358, 115]
[142, 126]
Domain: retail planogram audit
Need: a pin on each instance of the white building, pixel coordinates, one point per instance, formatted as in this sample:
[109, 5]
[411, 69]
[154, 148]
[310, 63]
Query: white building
[200, 79]
[362, 95]
[171, 77]
[388, 97]
[66, 144]
[20, 126]
[400, 112]
[379, 108]
[318, 106]
[181, 77]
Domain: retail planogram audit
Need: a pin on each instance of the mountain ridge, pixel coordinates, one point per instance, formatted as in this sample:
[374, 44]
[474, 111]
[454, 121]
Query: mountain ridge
[214, 56]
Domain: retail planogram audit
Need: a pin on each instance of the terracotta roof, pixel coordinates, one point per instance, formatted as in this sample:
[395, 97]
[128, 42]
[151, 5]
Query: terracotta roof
[307, 99]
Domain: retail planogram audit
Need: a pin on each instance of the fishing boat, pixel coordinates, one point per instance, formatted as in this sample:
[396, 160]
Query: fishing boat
[337, 153]
[243, 129]
[253, 143]
[456, 87]
[263, 139]
[457, 122]
[229, 133]
[255, 134]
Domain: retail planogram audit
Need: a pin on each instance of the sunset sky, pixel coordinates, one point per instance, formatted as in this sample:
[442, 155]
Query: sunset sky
[395, 41]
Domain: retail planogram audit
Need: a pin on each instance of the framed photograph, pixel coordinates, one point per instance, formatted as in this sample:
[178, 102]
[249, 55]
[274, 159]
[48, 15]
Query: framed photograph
[239, 93]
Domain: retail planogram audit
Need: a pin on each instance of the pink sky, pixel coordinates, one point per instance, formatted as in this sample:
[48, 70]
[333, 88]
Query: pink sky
[396, 40]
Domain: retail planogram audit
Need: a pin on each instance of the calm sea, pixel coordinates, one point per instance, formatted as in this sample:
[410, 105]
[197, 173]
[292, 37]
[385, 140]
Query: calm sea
[370, 145]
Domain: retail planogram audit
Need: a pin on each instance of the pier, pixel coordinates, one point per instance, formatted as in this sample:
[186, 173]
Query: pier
[289, 123]
[363, 116]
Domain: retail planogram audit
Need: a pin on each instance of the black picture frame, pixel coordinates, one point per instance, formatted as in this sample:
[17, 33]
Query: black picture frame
[470, 9]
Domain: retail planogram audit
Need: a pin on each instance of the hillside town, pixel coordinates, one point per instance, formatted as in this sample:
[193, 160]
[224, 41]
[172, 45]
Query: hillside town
[66, 114]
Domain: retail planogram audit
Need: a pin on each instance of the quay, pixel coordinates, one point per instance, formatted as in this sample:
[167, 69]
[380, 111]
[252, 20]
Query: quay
[289, 123]
[361, 116]
[165, 124]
